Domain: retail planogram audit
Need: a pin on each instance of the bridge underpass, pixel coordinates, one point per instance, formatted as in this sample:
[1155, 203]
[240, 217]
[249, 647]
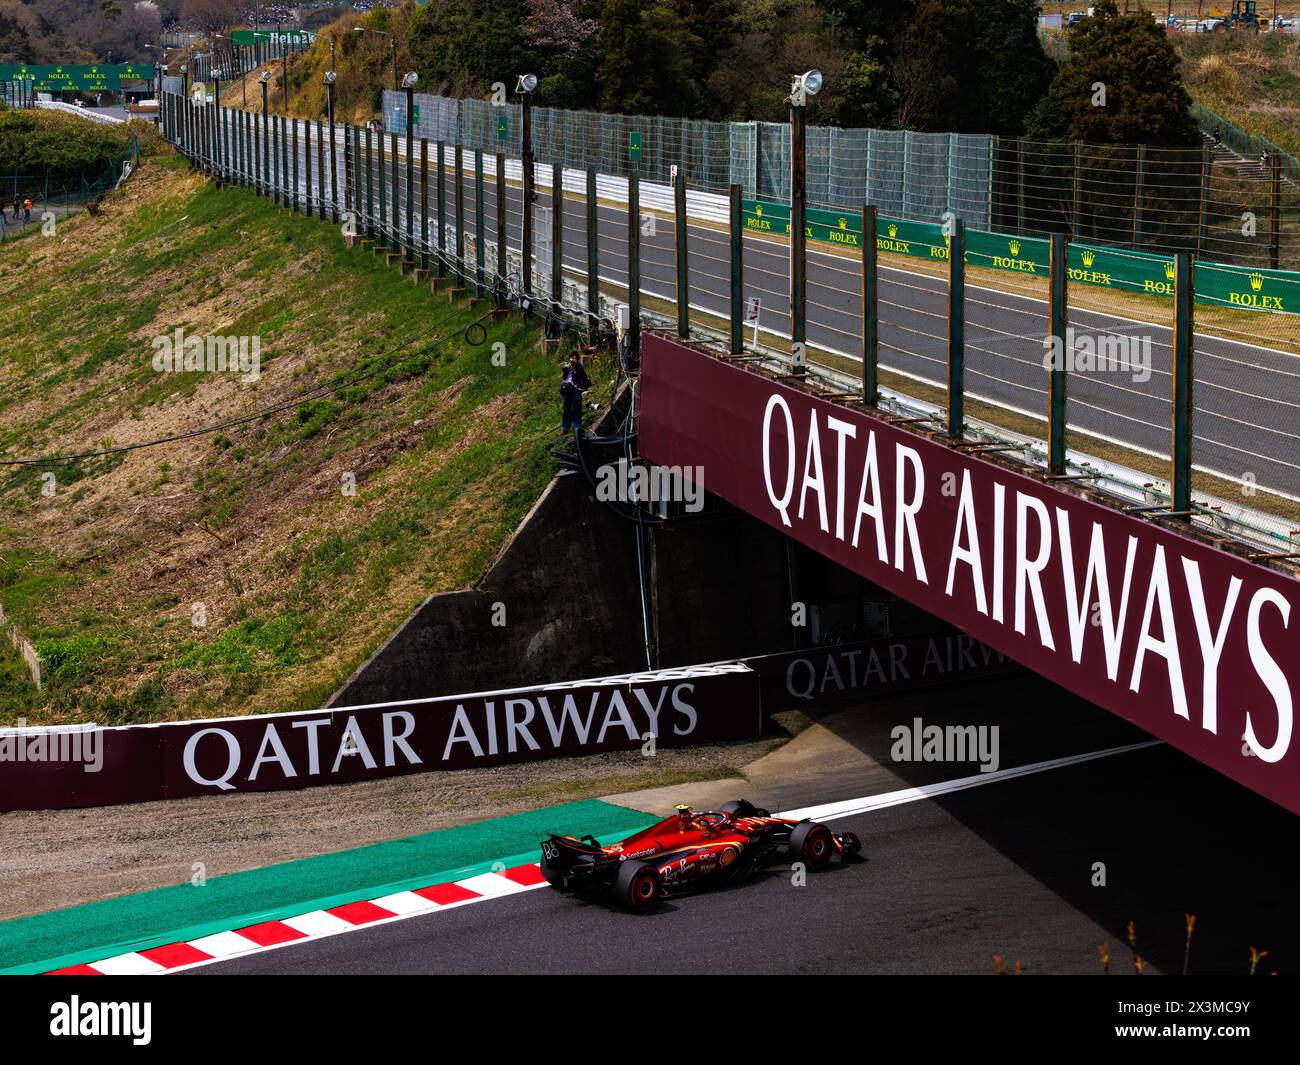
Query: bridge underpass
[1147, 619]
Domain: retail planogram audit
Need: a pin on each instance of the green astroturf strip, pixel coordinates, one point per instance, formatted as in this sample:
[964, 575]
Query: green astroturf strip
[99, 930]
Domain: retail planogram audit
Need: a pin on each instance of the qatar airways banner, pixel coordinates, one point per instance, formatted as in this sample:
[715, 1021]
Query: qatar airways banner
[54, 768]
[1192, 644]
[861, 669]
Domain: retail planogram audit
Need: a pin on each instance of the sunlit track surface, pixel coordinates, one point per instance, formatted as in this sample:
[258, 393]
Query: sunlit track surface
[1006, 869]
[1247, 420]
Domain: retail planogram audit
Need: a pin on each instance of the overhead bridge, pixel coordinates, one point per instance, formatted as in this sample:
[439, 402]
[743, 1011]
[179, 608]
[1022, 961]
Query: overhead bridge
[1133, 610]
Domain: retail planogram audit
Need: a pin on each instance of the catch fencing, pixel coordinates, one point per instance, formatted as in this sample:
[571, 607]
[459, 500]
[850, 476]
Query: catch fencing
[913, 175]
[961, 342]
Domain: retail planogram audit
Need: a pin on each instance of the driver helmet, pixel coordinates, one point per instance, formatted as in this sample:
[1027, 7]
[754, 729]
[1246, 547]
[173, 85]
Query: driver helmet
[683, 817]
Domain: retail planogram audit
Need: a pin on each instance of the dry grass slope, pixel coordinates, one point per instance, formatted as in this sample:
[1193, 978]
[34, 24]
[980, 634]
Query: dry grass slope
[298, 581]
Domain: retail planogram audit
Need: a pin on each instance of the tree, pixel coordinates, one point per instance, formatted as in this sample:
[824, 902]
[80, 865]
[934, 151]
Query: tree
[867, 95]
[462, 47]
[1121, 85]
[774, 39]
[558, 27]
[645, 64]
[209, 15]
[971, 66]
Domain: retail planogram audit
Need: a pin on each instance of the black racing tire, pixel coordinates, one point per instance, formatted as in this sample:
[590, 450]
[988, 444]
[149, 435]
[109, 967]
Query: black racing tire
[637, 886]
[811, 844]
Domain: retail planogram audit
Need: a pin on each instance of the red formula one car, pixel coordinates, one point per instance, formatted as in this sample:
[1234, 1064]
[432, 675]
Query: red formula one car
[690, 850]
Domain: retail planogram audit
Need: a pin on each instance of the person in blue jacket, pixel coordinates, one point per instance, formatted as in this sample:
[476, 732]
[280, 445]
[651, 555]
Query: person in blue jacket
[573, 383]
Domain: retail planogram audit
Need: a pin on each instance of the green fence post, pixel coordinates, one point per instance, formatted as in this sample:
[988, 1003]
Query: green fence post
[682, 260]
[424, 204]
[1206, 172]
[1139, 193]
[409, 257]
[557, 231]
[1076, 195]
[364, 194]
[1275, 209]
[593, 252]
[306, 167]
[503, 261]
[320, 168]
[277, 149]
[956, 329]
[1058, 320]
[380, 235]
[458, 175]
[736, 236]
[870, 334]
[634, 264]
[480, 219]
[442, 209]
[1180, 476]
[396, 178]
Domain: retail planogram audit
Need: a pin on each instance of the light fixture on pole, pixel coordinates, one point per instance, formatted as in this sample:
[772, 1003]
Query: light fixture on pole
[802, 86]
[524, 87]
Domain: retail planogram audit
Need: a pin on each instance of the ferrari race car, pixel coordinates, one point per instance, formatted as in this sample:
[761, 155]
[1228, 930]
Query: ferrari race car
[690, 850]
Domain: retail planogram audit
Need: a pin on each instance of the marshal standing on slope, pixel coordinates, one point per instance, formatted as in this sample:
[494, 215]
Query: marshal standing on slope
[573, 383]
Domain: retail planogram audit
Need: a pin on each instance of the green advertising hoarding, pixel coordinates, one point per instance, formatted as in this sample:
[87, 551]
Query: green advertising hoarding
[1128, 271]
[248, 37]
[831, 227]
[96, 77]
[1238, 286]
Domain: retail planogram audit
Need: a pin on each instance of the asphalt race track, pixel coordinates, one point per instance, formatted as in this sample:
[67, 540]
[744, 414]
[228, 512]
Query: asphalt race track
[944, 885]
[1246, 420]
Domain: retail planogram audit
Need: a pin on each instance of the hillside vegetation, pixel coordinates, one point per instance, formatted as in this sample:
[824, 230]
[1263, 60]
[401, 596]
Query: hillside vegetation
[232, 571]
[27, 36]
[62, 145]
[1252, 81]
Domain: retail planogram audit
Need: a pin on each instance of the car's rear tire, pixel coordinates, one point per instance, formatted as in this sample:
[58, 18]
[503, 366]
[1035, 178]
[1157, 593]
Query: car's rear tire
[811, 844]
[637, 886]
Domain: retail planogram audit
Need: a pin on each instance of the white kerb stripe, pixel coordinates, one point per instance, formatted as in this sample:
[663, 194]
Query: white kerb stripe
[127, 965]
[317, 923]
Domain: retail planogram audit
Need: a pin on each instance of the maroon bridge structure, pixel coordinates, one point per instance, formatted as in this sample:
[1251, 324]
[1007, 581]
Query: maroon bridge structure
[1179, 635]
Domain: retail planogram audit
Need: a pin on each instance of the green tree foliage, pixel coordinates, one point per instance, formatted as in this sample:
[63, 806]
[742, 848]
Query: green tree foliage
[461, 47]
[1128, 58]
[971, 66]
[774, 39]
[36, 142]
[647, 59]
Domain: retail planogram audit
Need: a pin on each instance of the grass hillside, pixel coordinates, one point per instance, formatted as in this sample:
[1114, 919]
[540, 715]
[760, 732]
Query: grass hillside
[1254, 82]
[298, 581]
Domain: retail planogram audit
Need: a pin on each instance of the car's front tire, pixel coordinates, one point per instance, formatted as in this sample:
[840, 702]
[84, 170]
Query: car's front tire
[811, 844]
